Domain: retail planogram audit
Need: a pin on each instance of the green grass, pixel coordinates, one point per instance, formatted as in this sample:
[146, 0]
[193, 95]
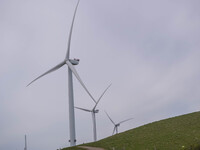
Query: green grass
[178, 133]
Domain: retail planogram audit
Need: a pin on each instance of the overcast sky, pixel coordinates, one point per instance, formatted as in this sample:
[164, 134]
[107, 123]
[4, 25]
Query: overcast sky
[148, 50]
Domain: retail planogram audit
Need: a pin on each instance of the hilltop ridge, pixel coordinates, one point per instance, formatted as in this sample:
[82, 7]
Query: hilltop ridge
[177, 133]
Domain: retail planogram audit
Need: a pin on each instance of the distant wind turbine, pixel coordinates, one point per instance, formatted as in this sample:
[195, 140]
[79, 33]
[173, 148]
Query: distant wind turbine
[25, 148]
[116, 125]
[94, 111]
[70, 63]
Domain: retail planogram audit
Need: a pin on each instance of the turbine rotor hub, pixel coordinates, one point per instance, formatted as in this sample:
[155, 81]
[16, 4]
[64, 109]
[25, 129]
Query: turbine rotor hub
[96, 111]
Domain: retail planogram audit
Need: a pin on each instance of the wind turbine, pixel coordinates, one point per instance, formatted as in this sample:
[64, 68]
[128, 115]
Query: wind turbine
[70, 63]
[25, 148]
[116, 125]
[93, 112]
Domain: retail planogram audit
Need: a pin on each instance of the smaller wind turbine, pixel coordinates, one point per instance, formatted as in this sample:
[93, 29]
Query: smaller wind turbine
[94, 111]
[25, 148]
[116, 125]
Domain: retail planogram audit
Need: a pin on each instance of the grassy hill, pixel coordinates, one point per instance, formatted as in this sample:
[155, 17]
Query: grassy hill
[177, 133]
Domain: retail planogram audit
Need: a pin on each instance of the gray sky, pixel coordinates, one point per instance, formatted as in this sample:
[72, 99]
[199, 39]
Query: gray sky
[148, 50]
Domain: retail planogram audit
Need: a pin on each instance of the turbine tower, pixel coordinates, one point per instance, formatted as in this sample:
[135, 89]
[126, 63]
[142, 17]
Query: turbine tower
[71, 69]
[25, 148]
[93, 112]
[116, 125]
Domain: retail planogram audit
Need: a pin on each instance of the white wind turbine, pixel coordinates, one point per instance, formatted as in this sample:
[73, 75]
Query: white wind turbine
[116, 125]
[69, 62]
[93, 112]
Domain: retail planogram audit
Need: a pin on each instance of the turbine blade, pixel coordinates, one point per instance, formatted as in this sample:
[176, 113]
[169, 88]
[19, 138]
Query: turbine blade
[83, 109]
[70, 33]
[101, 96]
[79, 79]
[113, 130]
[109, 118]
[125, 120]
[49, 71]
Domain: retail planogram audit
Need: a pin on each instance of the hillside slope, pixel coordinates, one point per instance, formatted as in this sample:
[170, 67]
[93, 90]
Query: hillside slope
[177, 133]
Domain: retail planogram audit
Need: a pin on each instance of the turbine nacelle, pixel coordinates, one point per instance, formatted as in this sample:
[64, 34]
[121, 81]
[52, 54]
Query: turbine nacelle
[96, 111]
[74, 61]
